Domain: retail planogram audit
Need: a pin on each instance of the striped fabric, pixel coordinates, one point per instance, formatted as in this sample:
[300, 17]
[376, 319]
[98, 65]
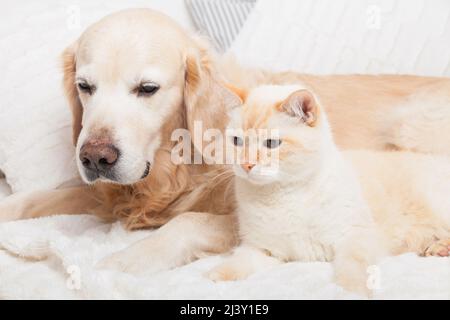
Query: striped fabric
[221, 20]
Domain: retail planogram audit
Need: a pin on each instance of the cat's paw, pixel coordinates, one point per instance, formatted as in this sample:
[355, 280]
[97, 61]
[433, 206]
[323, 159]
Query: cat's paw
[439, 248]
[227, 272]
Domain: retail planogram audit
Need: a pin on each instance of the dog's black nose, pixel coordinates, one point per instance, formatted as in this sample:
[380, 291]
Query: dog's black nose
[98, 155]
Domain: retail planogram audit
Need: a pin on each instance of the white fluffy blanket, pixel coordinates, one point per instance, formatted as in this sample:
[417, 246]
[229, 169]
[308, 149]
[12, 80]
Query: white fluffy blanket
[56, 257]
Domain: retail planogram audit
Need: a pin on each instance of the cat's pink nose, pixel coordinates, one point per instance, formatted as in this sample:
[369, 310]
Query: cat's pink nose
[247, 166]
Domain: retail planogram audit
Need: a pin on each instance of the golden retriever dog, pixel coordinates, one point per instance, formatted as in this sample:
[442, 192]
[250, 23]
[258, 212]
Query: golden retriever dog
[135, 76]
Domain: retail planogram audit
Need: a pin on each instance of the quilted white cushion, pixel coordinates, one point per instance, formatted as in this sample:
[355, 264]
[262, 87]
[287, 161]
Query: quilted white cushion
[348, 36]
[220, 20]
[36, 151]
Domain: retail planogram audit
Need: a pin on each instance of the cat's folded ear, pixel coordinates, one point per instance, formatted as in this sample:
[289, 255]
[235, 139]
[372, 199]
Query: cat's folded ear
[303, 105]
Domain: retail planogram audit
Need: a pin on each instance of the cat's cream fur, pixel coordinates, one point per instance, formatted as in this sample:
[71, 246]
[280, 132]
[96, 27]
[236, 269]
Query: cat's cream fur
[328, 205]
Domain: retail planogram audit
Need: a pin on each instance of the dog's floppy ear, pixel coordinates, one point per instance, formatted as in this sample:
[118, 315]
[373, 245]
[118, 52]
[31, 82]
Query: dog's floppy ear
[206, 99]
[303, 105]
[71, 92]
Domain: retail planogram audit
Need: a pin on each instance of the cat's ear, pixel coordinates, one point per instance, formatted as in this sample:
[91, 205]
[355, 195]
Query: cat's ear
[233, 97]
[239, 92]
[301, 104]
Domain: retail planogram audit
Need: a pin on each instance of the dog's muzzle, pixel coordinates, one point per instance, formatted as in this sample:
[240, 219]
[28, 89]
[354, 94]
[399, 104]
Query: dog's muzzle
[99, 158]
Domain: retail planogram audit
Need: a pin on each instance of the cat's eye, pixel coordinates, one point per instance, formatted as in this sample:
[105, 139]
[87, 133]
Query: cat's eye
[83, 86]
[237, 141]
[272, 143]
[147, 89]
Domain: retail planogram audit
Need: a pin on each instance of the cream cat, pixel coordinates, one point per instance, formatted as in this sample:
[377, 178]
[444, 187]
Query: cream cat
[312, 205]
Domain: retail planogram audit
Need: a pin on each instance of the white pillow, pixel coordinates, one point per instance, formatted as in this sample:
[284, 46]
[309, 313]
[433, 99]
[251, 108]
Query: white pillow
[352, 36]
[36, 151]
[220, 20]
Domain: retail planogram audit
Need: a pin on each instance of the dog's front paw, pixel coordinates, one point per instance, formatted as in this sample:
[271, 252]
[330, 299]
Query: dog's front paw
[128, 262]
[357, 286]
[119, 261]
[440, 248]
[227, 272]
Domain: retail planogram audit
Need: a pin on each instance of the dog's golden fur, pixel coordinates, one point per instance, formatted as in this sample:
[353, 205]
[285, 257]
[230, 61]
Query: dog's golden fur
[197, 200]
[174, 189]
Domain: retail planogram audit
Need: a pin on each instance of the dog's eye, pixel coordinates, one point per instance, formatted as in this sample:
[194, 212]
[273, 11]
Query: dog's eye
[85, 87]
[147, 89]
[272, 143]
[237, 141]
